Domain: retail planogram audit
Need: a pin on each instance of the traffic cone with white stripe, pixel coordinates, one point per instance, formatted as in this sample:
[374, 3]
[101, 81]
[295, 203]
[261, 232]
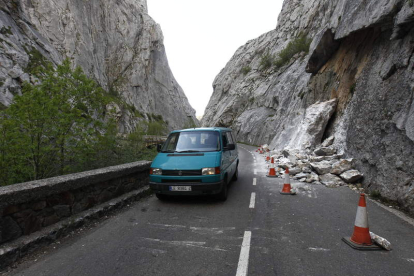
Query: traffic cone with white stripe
[272, 171]
[268, 157]
[361, 239]
[286, 186]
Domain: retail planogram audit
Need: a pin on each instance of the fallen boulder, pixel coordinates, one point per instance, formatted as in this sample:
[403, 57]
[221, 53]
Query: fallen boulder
[331, 180]
[351, 176]
[294, 171]
[323, 167]
[342, 166]
[325, 151]
[300, 175]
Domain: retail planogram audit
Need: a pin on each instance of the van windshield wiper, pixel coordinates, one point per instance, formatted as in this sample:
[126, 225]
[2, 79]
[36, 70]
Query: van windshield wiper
[188, 151]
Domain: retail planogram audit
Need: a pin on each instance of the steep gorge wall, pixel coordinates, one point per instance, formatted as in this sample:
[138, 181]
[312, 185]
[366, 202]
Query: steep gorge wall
[115, 42]
[361, 55]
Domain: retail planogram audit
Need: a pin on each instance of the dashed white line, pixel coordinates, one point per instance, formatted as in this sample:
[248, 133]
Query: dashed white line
[255, 171]
[254, 181]
[243, 265]
[252, 200]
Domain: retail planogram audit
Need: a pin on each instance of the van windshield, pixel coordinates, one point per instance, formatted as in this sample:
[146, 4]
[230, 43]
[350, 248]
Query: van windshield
[192, 141]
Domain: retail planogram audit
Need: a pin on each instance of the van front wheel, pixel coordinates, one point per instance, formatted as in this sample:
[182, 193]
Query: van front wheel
[236, 174]
[161, 196]
[222, 196]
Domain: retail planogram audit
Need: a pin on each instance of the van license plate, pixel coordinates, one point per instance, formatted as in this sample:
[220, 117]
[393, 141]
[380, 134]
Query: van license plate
[180, 188]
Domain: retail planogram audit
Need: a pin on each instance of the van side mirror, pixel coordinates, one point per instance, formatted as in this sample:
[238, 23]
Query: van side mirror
[230, 147]
[159, 146]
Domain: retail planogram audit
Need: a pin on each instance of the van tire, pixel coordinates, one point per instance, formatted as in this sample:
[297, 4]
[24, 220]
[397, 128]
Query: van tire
[161, 196]
[222, 196]
[236, 174]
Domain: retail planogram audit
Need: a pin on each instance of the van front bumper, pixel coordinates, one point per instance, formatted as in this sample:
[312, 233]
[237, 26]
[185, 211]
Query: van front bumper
[196, 188]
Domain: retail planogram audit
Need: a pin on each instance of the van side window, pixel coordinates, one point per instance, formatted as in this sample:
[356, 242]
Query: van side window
[171, 141]
[229, 138]
[225, 141]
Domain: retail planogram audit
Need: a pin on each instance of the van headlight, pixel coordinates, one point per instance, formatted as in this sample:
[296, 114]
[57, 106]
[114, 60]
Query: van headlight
[210, 171]
[155, 171]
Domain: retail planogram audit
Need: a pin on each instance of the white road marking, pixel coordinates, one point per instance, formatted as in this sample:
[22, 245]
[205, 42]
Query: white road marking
[252, 200]
[410, 260]
[186, 243]
[167, 225]
[255, 171]
[318, 249]
[209, 231]
[254, 181]
[243, 265]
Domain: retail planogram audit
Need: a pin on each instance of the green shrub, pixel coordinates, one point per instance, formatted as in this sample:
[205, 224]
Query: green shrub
[245, 70]
[376, 194]
[352, 88]
[190, 123]
[299, 44]
[37, 63]
[266, 61]
[6, 31]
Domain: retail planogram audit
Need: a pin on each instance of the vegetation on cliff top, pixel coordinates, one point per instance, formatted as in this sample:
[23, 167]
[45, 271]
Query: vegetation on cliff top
[300, 44]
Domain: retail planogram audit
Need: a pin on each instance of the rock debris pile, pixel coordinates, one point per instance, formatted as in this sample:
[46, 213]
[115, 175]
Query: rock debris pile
[322, 166]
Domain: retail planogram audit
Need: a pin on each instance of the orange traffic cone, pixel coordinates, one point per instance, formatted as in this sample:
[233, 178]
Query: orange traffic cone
[272, 171]
[268, 157]
[361, 239]
[286, 187]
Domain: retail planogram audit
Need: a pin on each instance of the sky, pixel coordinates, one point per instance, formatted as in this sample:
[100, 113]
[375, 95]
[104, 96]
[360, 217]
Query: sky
[201, 36]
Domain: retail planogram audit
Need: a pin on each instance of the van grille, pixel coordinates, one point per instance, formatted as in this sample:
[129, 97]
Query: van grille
[181, 172]
[181, 181]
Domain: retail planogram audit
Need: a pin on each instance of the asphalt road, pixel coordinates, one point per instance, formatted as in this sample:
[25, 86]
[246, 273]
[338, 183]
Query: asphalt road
[281, 235]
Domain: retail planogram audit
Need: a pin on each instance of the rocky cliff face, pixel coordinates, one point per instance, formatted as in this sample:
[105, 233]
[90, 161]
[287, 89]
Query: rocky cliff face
[360, 58]
[115, 42]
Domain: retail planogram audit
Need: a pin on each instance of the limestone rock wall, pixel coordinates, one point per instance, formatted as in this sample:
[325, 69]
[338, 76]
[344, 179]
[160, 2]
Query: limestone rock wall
[115, 42]
[360, 55]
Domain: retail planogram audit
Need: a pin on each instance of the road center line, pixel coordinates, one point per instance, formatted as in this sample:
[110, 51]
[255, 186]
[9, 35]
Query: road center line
[254, 181]
[255, 171]
[252, 200]
[243, 265]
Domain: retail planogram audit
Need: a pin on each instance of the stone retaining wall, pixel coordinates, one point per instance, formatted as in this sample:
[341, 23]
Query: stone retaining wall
[28, 207]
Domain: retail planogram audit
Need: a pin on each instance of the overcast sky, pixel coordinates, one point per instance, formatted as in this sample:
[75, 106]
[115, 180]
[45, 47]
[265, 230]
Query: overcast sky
[200, 37]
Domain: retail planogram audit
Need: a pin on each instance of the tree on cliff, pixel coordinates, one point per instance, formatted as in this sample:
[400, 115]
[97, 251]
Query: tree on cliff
[52, 124]
[61, 125]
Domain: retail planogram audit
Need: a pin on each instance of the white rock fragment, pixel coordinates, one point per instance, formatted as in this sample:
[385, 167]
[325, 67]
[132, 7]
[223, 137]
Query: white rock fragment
[328, 141]
[312, 177]
[380, 241]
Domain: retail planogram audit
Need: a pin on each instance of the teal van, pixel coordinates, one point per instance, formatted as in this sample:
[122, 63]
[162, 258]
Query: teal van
[197, 161]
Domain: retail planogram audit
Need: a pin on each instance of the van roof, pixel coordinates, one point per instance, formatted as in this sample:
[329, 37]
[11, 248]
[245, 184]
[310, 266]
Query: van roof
[220, 129]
